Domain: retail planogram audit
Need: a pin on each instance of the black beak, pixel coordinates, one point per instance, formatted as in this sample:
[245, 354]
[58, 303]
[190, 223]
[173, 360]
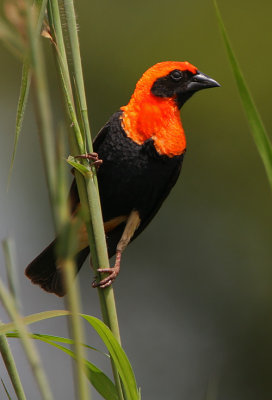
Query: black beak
[200, 81]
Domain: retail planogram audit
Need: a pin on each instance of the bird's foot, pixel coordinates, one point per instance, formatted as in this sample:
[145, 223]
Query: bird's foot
[93, 157]
[113, 273]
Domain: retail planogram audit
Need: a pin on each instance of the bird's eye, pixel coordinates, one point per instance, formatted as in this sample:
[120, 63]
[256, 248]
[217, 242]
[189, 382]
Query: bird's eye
[176, 75]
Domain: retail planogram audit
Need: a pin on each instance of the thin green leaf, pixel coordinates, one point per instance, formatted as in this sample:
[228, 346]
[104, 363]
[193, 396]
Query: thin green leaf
[25, 84]
[257, 128]
[52, 338]
[6, 390]
[79, 167]
[98, 379]
[30, 319]
[118, 355]
[23, 97]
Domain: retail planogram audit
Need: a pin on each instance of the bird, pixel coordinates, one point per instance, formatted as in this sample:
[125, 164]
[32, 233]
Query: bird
[139, 153]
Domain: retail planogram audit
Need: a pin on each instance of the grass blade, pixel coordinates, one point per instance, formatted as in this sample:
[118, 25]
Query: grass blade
[256, 125]
[25, 85]
[53, 338]
[118, 355]
[23, 97]
[6, 390]
[79, 167]
[98, 379]
[30, 319]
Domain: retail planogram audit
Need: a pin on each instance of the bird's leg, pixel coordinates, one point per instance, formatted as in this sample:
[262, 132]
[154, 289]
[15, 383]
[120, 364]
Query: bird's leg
[132, 224]
[113, 273]
[93, 157]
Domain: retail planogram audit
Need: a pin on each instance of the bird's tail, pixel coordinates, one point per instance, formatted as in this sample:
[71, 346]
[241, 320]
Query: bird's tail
[45, 272]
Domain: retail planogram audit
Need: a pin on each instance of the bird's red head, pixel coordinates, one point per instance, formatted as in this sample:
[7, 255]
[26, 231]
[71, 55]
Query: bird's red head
[153, 110]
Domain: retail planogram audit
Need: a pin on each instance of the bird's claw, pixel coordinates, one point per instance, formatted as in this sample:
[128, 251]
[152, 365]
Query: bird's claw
[106, 282]
[93, 157]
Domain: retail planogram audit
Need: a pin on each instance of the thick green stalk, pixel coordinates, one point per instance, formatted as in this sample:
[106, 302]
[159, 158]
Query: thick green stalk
[87, 185]
[96, 234]
[90, 182]
[11, 368]
[27, 343]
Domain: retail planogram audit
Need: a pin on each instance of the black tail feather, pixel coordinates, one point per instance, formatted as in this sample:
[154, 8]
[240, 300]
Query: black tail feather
[45, 272]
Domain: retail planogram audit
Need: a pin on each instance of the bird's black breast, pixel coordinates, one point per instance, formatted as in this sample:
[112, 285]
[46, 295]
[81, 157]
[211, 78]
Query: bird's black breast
[132, 176]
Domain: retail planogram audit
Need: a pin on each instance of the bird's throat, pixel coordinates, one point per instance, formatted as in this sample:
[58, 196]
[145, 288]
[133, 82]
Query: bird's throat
[158, 119]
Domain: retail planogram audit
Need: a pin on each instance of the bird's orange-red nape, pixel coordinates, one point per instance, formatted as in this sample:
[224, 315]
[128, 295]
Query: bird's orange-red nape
[147, 116]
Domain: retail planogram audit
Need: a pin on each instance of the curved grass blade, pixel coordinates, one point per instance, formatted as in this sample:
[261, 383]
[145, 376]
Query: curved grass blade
[98, 379]
[256, 125]
[30, 319]
[57, 339]
[118, 355]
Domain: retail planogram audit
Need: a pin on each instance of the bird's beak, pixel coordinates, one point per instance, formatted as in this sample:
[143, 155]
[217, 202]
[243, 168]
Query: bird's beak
[200, 81]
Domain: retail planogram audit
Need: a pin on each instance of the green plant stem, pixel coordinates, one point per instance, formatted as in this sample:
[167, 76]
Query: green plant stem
[27, 343]
[43, 103]
[87, 187]
[76, 327]
[55, 24]
[11, 368]
[10, 269]
[4, 346]
[100, 258]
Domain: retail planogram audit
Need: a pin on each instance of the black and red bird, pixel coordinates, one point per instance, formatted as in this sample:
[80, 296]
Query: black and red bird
[142, 147]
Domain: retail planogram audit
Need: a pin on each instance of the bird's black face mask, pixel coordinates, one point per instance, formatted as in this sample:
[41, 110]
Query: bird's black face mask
[181, 85]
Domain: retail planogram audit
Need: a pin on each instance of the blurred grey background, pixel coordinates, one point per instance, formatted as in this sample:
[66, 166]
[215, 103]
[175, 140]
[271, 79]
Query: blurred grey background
[194, 295]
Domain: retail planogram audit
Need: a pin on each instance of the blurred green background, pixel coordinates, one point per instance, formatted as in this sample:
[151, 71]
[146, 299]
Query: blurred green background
[195, 292]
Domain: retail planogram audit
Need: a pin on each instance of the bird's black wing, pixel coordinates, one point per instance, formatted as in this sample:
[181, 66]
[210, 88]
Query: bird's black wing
[161, 196]
[148, 210]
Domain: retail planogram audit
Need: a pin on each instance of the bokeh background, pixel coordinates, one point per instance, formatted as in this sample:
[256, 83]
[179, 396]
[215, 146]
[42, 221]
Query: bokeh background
[195, 292]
